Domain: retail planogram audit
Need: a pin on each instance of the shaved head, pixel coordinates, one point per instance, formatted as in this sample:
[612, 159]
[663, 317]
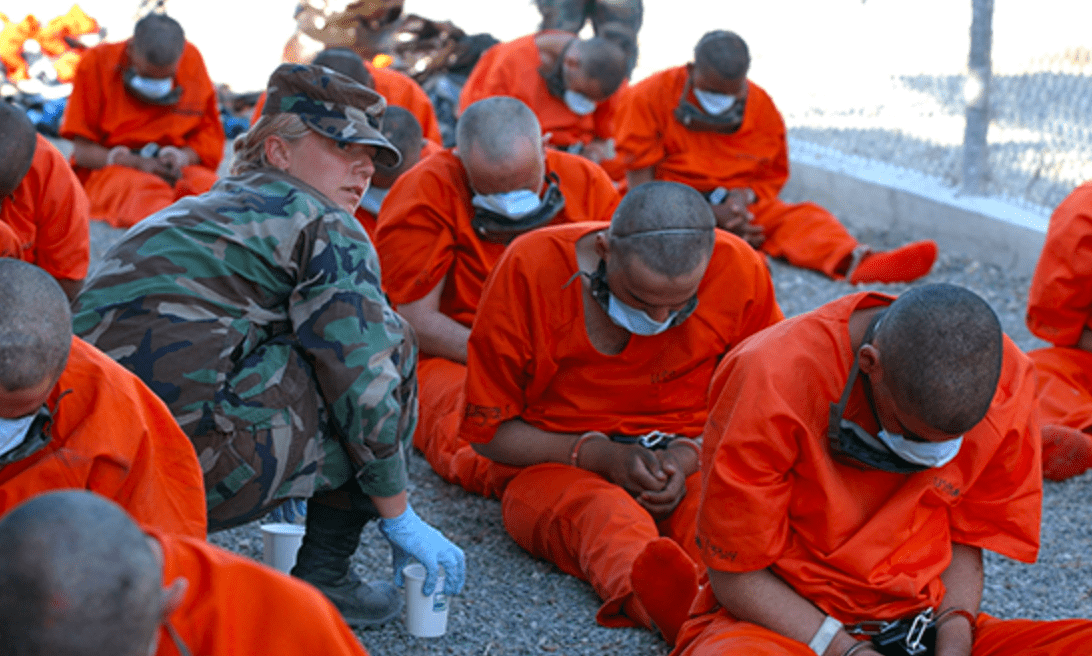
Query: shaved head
[402, 129]
[77, 578]
[159, 39]
[940, 347]
[494, 126]
[18, 141]
[602, 60]
[666, 225]
[723, 53]
[346, 62]
[35, 326]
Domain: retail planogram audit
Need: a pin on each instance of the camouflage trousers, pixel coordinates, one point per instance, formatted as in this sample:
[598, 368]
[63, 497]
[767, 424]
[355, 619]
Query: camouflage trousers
[273, 437]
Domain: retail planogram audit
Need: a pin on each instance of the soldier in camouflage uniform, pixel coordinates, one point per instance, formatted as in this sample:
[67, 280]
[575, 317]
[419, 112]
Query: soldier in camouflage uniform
[255, 312]
[615, 20]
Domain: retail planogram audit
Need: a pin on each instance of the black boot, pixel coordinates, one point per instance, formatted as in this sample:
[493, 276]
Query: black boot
[323, 561]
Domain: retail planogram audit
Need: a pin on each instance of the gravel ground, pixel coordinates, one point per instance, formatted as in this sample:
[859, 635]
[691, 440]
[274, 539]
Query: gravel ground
[514, 604]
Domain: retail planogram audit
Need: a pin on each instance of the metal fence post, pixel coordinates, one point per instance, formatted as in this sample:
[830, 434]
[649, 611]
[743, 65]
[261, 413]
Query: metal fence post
[976, 92]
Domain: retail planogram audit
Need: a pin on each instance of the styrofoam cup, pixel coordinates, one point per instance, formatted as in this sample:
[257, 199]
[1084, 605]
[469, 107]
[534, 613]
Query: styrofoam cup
[280, 542]
[426, 616]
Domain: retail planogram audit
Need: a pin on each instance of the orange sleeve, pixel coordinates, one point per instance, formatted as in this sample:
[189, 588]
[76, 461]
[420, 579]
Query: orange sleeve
[278, 614]
[639, 137]
[88, 95]
[401, 90]
[141, 458]
[207, 138]
[62, 245]
[415, 236]
[1001, 511]
[10, 245]
[499, 350]
[1060, 296]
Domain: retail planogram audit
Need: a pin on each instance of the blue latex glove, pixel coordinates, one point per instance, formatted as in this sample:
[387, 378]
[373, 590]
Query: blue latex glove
[289, 512]
[411, 537]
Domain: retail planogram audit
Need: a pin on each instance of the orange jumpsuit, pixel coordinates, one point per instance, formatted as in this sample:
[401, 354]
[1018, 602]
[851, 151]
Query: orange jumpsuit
[511, 69]
[861, 544]
[1059, 309]
[102, 111]
[403, 91]
[425, 238]
[530, 358]
[111, 435]
[234, 606]
[756, 156]
[47, 213]
[368, 220]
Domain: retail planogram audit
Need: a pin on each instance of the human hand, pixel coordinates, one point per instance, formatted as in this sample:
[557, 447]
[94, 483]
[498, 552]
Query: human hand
[661, 503]
[175, 158]
[410, 537]
[732, 215]
[635, 469]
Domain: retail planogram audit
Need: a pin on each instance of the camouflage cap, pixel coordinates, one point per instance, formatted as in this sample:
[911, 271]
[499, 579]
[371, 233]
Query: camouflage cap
[332, 104]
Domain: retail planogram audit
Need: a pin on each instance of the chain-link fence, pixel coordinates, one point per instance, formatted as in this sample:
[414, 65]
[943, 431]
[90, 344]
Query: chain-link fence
[1040, 130]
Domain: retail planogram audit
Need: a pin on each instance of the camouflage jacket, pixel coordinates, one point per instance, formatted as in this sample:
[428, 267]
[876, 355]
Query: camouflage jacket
[191, 291]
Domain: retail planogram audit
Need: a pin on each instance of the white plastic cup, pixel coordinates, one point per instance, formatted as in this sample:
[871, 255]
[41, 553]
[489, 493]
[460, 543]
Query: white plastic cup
[280, 542]
[426, 615]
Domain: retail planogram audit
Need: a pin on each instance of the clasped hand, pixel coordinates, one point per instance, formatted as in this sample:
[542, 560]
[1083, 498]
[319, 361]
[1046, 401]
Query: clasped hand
[656, 479]
[732, 215]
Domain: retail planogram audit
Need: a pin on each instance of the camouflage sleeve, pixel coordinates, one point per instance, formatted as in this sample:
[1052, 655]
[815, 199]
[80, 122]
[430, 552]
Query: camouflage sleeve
[363, 353]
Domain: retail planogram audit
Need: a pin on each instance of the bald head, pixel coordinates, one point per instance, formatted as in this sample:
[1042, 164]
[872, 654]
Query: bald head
[77, 578]
[18, 141]
[666, 225]
[346, 62]
[602, 60]
[402, 129]
[35, 326]
[494, 126]
[940, 347]
[723, 53]
[159, 39]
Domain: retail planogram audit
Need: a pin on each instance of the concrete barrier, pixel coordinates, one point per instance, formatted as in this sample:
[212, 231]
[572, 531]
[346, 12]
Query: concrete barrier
[867, 194]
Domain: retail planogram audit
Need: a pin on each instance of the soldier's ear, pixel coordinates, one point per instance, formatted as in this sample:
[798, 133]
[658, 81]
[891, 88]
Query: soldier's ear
[277, 152]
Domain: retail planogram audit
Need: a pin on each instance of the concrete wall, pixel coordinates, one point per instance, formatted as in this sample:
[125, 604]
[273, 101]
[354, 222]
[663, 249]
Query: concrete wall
[866, 194]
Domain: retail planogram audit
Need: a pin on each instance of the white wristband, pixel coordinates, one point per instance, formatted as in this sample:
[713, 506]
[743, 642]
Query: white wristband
[825, 635]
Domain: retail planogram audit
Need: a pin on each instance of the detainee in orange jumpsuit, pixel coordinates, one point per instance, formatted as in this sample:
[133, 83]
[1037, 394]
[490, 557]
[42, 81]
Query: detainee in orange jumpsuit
[43, 207]
[571, 84]
[145, 123]
[589, 336]
[708, 126]
[1060, 312]
[136, 592]
[858, 458]
[435, 261]
[401, 128]
[70, 417]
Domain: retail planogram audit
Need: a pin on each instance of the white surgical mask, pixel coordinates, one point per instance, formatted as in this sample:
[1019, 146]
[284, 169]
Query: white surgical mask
[714, 103]
[926, 454]
[513, 204]
[14, 431]
[579, 103]
[151, 87]
[636, 321]
[372, 199]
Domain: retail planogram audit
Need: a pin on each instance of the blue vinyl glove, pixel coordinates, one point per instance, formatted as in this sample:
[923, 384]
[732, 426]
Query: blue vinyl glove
[411, 537]
[292, 510]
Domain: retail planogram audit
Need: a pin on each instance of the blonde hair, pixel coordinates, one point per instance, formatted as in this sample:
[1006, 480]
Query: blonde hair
[249, 147]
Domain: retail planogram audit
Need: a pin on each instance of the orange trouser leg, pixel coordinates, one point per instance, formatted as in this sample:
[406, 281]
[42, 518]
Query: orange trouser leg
[195, 180]
[718, 633]
[592, 529]
[122, 196]
[805, 235]
[442, 400]
[1065, 386]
